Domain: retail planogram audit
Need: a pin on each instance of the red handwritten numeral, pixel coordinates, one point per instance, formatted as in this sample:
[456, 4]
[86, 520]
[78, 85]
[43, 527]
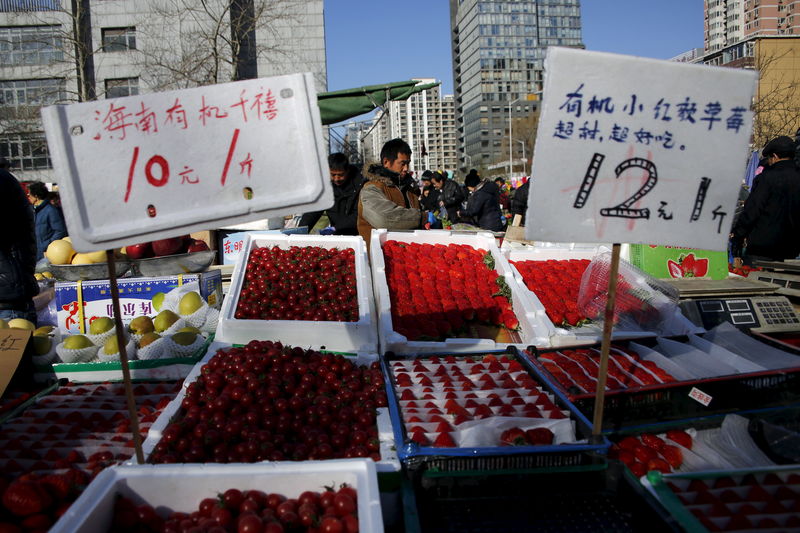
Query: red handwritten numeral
[130, 173]
[148, 171]
[231, 149]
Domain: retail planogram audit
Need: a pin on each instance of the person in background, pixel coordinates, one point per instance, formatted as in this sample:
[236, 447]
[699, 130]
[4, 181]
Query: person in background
[382, 202]
[343, 215]
[429, 200]
[768, 227]
[483, 204]
[17, 250]
[503, 194]
[48, 218]
[450, 195]
[519, 203]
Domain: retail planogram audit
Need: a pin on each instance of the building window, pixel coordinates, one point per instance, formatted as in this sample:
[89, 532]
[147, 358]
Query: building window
[32, 92]
[30, 45]
[26, 151]
[122, 87]
[119, 39]
[9, 6]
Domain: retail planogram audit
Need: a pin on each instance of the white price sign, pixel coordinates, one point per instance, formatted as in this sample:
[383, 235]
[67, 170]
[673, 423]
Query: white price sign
[638, 150]
[158, 165]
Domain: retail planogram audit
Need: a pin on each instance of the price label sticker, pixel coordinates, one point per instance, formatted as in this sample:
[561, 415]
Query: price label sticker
[638, 150]
[157, 165]
[700, 396]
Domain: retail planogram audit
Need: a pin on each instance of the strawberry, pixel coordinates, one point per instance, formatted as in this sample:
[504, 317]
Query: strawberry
[672, 454]
[444, 440]
[652, 441]
[680, 437]
[658, 464]
[629, 443]
[638, 469]
[513, 437]
[25, 498]
[540, 436]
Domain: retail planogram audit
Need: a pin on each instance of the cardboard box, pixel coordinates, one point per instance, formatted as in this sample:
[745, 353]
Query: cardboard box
[78, 302]
[676, 262]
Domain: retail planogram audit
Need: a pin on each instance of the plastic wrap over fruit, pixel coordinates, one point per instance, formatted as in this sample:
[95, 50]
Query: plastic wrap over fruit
[643, 303]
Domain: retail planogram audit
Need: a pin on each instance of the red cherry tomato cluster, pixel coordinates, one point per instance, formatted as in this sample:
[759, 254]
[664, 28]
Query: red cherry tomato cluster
[651, 452]
[439, 291]
[531, 437]
[556, 283]
[743, 270]
[300, 283]
[265, 401]
[249, 511]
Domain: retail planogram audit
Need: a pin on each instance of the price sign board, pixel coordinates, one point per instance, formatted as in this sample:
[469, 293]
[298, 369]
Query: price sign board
[158, 165]
[638, 150]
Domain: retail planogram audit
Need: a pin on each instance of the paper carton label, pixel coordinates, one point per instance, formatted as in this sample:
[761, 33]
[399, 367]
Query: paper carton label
[700, 396]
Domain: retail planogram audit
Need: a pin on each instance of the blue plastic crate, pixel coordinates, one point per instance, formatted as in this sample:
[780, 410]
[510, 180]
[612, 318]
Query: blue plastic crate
[415, 456]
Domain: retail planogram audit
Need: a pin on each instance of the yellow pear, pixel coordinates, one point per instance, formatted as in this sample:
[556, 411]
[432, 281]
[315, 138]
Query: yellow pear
[38, 276]
[82, 259]
[97, 257]
[141, 325]
[47, 274]
[3, 324]
[60, 252]
[189, 329]
[42, 345]
[77, 342]
[43, 331]
[21, 323]
[158, 300]
[111, 346]
[164, 320]
[184, 338]
[148, 338]
[190, 302]
[68, 239]
[100, 325]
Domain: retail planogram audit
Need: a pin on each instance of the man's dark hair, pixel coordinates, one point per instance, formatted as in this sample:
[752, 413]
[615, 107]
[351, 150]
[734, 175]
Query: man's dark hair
[427, 175]
[437, 177]
[393, 148]
[39, 190]
[782, 146]
[338, 161]
[501, 180]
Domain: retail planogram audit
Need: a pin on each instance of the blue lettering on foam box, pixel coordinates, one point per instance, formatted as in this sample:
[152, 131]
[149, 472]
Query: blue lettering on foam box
[135, 297]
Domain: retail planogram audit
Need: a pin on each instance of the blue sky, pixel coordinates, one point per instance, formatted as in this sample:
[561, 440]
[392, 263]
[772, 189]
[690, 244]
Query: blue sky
[379, 41]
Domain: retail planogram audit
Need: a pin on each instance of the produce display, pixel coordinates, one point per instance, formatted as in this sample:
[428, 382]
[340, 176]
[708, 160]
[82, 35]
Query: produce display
[556, 282]
[265, 401]
[647, 452]
[440, 291]
[299, 283]
[53, 449]
[334, 510]
[759, 500]
[439, 395]
[579, 368]
[164, 247]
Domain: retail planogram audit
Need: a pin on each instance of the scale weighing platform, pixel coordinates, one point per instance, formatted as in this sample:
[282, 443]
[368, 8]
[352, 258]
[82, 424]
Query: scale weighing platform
[763, 314]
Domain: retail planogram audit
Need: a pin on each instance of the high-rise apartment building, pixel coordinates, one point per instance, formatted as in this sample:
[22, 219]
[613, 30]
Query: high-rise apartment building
[62, 51]
[426, 121]
[498, 49]
[729, 21]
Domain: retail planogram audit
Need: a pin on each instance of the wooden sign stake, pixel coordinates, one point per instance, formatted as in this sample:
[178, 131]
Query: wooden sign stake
[123, 357]
[608, 326]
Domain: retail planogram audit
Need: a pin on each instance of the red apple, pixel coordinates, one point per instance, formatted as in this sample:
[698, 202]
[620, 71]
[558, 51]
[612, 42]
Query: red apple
[142, 250]
[168, 246]
[197, 246]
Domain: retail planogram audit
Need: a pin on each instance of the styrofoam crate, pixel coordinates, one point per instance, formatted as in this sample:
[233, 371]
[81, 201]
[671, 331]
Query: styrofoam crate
[560, 336]
[359, 336]
[181, 488]
[389, 460]
[533, 330]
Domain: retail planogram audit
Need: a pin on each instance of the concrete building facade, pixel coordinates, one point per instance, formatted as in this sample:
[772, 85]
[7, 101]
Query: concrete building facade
[59, 51]
[498, 49]
[728, 22]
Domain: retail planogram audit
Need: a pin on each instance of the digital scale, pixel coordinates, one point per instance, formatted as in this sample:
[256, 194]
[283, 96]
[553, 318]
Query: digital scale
[764, 314]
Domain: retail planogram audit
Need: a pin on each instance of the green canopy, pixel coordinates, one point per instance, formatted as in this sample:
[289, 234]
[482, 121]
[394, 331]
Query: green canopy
[336, 106]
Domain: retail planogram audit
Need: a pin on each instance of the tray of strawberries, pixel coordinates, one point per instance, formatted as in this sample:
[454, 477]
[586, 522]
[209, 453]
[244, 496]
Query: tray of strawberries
[479, 411]
[731, 500]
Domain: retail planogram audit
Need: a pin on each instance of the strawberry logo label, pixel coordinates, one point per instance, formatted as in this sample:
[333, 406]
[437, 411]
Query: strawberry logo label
[688, 266]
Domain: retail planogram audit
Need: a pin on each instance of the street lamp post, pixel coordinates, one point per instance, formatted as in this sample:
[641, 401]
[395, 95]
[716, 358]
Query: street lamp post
[511, 139]
[524, 159]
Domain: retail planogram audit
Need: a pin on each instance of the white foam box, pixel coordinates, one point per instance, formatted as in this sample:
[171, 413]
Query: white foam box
[389, 461]
[358, 336]
[181, 488]
[560, 336]
[532, 329]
